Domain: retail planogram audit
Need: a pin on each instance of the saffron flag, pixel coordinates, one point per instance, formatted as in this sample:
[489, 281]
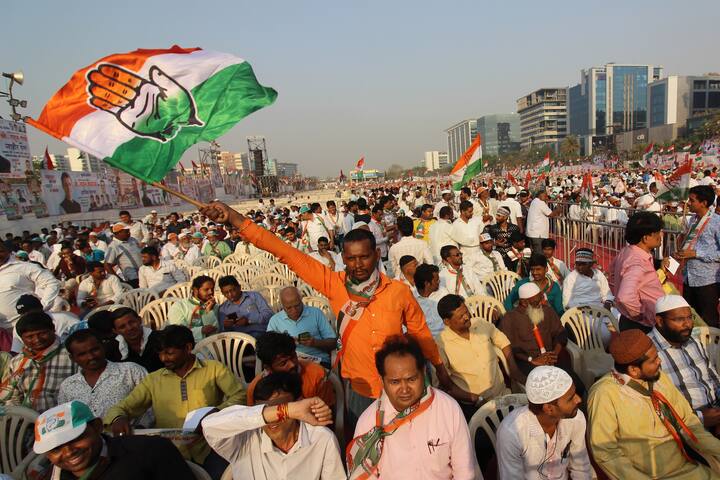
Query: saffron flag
[677, 185]
[468, 165]
[545, 165]
[512, 179]
[360, 163]
[647, 154]
[140, 111]
[48, 161]
[528, 179]
[586, 195]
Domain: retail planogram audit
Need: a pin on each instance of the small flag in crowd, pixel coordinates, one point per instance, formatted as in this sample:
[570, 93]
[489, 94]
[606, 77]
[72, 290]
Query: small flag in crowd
[468, 165]
[360, 163]
[586, 191]
[676, 186]
[545, 165]
[140, 111]
[647, 155]
[48, 161]
[687, 147]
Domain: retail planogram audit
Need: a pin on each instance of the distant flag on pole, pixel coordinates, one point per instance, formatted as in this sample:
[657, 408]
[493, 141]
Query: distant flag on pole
[647, 155]
[512, 179]
[360, 163]
[676, 186]
[528, 179]
[468, 165]
[48, 161]
[687, 147]
[671, 149]
[140, 111]
[586, 191]
[342, 175]
[545, 165]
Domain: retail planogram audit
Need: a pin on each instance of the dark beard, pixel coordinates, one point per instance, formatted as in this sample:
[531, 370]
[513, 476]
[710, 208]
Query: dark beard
[675, 337]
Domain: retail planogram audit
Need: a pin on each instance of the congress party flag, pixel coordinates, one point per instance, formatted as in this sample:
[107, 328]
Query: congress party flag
[647, 154]
[545, 165]
[468, 165]
[360, 163]
[677, 185]
[140, 111]
[586, 191]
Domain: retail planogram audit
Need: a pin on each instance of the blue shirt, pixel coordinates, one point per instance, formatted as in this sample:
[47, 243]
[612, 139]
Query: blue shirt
[313, 321]
[554, 296]
[704, 269]
[252, 306]
[95, 256]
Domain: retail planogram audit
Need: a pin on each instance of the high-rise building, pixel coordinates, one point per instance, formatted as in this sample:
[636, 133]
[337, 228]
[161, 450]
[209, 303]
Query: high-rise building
[609, 99]
[241, 162]
[270, 166]
[543, 117]
[500, 133]
[435, 160]
[287, 169]
[460, 136]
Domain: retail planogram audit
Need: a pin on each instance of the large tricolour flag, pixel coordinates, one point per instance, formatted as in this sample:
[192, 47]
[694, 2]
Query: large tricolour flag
[676, 186]
[647, 154]
[139, 111]
[468, 165]
[545, 165]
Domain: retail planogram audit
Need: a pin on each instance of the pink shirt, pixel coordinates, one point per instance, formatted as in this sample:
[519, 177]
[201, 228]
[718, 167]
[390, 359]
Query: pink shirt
[434, 446]
[636, 285]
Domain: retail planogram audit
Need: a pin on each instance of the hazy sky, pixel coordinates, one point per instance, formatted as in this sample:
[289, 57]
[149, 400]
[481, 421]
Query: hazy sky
[375, 78]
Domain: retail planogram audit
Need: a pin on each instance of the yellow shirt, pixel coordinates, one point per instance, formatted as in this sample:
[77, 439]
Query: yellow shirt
[208, 383]
[421, 229]
[629, 441]
[472, 363]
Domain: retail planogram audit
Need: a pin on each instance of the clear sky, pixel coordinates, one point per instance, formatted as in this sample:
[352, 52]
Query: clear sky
[363, 77]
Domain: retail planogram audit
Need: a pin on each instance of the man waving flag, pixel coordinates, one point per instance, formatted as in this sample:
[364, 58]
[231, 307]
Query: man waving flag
[469, 165]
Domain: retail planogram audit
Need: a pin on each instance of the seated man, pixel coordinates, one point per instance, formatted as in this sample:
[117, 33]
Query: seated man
[411, 416]
[33, 377]
[538, 276]
[215, 247]
[98, 289]
[281, 437]
[685, 360]
[199, 312]
[185, 384]
[518, 324]
[277, 353]
[468, 350]
[156, 274]
[308, 325]
[454, 277]
[408, 264]
[517, 256]
[489, 260]
[546, 438]
[99, 384]
[586, 286]
[65, 322]
[246, 312]
[557, 270]
[635, 409]
[137, 343]
[71, 437]
[429, 292]
[326, 256]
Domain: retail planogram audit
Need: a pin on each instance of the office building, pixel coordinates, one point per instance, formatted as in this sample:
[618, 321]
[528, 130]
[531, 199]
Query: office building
[460, 136]
[435, 160]
[609, 99]
[286, 169]
[500, 133]
[270, 166]
[543, 117]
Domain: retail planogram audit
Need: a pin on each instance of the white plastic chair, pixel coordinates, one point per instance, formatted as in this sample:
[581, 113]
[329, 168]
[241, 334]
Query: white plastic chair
[710, 338]
[323, 304]
[500, 283]
[308, 291]
[339, 409]
[102, 308]
[271, 296]
[484, 307]
[191, 271]
[284, 270]
[216, 274]
[179, 290]
[489, 416]
[16, 433]
[229, 348]
[271, 280]
[206, 262]
[180, 263]
[228, 268]
[589, 358]
[198, 471]
[138, 298]
[260, 262]
[155, 313]
[246, 275]
[236, 258]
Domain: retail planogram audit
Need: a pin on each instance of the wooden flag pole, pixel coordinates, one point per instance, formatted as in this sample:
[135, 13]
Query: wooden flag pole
[180, 195]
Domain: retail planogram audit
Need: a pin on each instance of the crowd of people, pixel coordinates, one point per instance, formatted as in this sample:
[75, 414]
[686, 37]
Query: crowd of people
[399, 265]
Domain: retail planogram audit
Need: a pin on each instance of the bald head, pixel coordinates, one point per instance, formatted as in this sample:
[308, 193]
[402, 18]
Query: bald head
[292, 302]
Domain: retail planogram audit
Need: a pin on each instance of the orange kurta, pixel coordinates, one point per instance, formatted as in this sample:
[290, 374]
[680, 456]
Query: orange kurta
[392, 307]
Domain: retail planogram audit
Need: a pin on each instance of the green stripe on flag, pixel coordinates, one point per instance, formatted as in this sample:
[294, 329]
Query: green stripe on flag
[222, 100]
[470, 172]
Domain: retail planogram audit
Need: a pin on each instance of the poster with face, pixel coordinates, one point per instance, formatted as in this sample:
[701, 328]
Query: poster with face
[14, 149]
[75, 192]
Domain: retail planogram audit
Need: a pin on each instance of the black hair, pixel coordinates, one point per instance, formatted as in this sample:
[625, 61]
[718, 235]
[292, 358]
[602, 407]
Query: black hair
[123, 212]
[516, 236]
[623, 368]
[271, 344]
[34, 321]
[228, 280]
[400, 345]
[102, 322]
[405, 259]
[175, 336]
[121, 312]
[278, 382]
[448, 304]
[359, 235]
[405, 226]
[424, 275]
[548, 243]
[641, 224]
[200, 280]
[466, 191]
[445, 251]
[82, 244]
[376, 208]
[323, 239]
[93, 265]
[465, 204]
[150, 251]
[425, 207]
[330, 202]
[445, 212]
[704, 193]
[538, 260]
[80, 336]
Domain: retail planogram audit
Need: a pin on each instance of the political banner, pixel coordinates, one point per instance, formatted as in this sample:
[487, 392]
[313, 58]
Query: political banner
[15, 157]
[76, 192]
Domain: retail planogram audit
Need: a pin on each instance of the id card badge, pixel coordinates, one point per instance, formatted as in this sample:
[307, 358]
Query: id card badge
[352, 310]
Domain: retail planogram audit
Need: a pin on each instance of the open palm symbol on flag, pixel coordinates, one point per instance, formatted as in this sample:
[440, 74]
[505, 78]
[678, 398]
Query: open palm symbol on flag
[156, 108]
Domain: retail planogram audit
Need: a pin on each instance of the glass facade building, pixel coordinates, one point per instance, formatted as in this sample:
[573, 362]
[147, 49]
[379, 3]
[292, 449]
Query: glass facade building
[658, 99]
[629, 97]
[460, 136]
[500, 133]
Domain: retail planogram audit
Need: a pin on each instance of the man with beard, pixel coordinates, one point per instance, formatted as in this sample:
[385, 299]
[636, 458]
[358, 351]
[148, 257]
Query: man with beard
[538, 266]
[641, 426]
[535, 332]
[546, 438]
[455, 277]
[156, 274]
[685, 360]
[489, 260]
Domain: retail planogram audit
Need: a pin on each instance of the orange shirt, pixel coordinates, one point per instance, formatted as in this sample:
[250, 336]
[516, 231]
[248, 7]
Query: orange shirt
[392, 307]
[313, 383]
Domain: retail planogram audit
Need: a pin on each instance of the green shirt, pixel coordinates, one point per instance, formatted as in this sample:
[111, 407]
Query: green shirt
[181, 313]
[207, 384]
[220, 250]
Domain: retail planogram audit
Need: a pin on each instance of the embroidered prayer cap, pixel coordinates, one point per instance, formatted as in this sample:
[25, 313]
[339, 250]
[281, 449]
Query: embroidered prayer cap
[629, 345]
[545, 384]
[511, 191]
[304, 209]
[119, 227]
[528, 290]
[503, 211]
[60, 425]
[182, 235]
[670, 302]
[485, 237]
[584, 256]
[197, 235]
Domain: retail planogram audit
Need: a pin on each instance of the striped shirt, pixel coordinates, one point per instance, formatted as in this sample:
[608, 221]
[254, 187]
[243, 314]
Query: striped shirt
[690, 370]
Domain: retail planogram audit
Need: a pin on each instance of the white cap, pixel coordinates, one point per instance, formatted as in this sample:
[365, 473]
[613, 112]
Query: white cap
[528, 290]
[153, 211]
[485, 237]
[670, 302]
[527, 253]
[511, 191]
[545, 384]
[445, 192]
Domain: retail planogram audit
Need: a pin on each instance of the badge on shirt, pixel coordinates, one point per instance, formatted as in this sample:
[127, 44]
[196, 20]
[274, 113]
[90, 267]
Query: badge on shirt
[352, 310]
